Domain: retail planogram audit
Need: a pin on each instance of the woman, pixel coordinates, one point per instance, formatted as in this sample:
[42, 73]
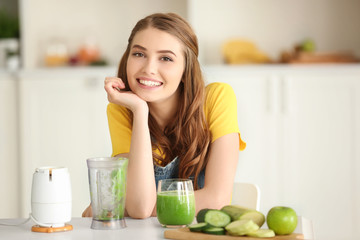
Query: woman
[166, 122]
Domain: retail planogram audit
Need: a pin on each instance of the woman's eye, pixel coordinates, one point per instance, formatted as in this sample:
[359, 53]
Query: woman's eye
[138, 54]
[166, 59]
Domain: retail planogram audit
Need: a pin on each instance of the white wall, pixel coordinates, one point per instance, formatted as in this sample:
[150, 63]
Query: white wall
[9, 147]
[275, 25]
[69, 21]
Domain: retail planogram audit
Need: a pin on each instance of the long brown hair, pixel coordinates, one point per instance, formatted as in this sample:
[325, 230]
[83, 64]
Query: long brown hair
[187, 135]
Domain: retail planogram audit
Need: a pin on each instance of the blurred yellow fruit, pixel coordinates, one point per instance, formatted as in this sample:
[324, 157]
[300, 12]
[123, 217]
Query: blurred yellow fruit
[239, 51]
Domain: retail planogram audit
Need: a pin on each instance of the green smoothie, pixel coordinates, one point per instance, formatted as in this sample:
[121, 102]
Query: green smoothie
[175, 208]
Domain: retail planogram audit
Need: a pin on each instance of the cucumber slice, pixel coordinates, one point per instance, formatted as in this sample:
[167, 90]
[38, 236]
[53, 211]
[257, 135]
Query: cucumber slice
[201, 215]
[198, 227]
[241, 227]
[214, 231]
[262, 233]
[240, 213]
[217, 218]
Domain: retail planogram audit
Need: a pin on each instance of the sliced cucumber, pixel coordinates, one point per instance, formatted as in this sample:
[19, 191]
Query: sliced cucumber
[217, 218]
[241, 227]
[201, 215]
[214, 230]
[198, 227]
[262, 233]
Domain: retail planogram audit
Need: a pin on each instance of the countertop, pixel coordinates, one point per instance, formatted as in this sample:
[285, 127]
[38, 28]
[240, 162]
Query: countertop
[147, 229]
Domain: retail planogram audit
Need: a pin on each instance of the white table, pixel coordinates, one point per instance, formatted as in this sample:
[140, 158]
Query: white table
[148, 229]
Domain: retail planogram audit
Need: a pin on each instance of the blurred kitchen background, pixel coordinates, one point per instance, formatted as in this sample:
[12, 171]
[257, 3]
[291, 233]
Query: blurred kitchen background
[294, 66]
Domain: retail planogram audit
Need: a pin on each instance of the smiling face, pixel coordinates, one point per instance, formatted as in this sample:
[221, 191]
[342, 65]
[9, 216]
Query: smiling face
[155, 66]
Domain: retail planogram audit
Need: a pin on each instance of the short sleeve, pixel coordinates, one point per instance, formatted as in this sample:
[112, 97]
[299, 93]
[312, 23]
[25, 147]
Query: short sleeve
[221, 111]
[120, 128]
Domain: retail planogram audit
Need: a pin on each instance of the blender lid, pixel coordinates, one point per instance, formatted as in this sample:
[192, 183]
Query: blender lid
[106, 162]
[49, 168]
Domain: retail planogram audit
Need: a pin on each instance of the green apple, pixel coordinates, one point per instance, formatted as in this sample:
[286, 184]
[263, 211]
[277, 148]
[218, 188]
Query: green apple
[282, 220]
[308, 45]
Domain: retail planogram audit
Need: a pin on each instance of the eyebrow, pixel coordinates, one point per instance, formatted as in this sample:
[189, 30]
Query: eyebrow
[160, 51]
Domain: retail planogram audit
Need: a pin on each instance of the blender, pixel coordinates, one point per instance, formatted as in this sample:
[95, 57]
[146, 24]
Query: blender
[51, 199]
[107, 182]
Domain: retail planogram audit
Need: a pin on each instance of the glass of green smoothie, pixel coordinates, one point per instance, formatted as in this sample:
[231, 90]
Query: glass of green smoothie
[175, 206]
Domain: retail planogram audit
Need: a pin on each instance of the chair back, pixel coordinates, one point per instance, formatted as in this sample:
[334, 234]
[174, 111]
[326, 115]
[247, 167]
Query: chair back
[246, 195]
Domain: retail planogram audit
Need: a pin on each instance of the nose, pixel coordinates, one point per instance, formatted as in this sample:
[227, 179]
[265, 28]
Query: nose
[150, 66]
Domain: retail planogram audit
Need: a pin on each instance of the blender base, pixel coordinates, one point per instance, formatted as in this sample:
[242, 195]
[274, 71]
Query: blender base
[38, 228]
[108, 224]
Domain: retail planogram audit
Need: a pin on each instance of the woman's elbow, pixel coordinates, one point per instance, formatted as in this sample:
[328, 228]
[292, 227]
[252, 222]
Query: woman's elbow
[220, 201]
[139, 212]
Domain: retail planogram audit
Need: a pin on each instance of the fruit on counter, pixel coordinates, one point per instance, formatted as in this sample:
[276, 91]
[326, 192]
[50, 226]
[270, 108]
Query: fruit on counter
[88, 52]
[308, 45]
[239, 213]
[240, 221]
[241, 227]
[282, 220]
[240, 51]
[213, 217]
[262, 233]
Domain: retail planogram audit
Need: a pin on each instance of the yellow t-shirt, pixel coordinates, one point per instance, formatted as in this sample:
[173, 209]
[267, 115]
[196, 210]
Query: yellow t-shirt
[220, 113]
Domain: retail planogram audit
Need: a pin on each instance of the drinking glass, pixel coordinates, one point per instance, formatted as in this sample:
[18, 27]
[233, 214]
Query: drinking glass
[175, 206]
[107, 181]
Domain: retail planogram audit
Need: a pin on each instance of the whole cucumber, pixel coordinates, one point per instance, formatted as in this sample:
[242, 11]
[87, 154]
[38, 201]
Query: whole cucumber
[239, 213]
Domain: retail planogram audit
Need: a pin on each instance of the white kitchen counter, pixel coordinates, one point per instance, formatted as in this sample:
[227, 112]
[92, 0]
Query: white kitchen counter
[104, 71]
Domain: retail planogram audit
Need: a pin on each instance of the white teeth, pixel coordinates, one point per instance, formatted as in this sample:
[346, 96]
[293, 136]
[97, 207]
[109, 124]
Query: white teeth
[149, 83]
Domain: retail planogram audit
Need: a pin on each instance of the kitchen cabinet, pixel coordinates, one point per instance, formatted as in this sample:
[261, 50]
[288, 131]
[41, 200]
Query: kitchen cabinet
[302, 128]
[9, 178]
[62, 123]
[319, 138]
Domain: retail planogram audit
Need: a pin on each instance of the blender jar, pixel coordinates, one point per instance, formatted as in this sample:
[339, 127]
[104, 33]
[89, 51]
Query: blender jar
[107, 181]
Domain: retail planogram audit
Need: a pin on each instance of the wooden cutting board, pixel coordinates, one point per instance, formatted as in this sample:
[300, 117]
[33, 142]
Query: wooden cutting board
[185, 234]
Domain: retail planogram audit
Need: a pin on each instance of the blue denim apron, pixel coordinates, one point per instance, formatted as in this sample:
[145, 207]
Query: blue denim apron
[171, 170]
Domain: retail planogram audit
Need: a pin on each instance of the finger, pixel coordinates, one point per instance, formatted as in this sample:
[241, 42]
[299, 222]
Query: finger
[112, 78]
[115, 79]
[110, 87]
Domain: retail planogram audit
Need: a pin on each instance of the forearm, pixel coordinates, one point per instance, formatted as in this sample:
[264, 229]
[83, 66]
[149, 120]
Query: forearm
[219, 174]
[208, 198]
[141, 189]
